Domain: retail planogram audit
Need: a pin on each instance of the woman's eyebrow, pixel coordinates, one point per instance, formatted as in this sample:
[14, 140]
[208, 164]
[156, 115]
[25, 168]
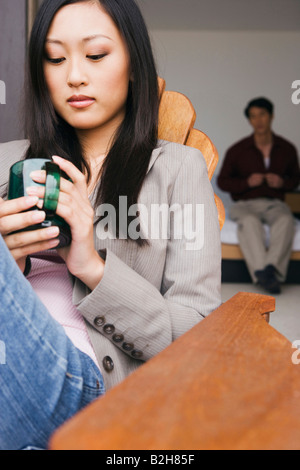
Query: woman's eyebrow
[87, 39]
[95, 36]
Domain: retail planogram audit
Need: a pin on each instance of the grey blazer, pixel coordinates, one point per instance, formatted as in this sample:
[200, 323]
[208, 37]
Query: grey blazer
[150, 295]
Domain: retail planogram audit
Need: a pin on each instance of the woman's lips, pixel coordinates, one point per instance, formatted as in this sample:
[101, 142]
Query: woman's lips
[80, 101]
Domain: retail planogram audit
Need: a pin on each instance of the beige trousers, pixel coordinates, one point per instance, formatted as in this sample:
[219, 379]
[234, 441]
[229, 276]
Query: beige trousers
[250, 216]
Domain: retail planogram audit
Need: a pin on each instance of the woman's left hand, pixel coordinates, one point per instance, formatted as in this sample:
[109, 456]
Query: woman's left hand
[74, 207]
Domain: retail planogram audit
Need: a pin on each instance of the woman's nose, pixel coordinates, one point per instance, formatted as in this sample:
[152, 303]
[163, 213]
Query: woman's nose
[76, 75]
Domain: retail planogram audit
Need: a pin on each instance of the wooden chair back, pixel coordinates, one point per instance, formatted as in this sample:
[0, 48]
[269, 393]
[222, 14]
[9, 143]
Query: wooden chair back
[177, 117]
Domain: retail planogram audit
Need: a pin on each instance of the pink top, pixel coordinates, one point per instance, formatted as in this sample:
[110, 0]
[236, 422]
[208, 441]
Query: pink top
[50, 280]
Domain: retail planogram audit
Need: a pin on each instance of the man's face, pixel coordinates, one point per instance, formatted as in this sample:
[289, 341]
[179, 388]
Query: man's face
[261, 120]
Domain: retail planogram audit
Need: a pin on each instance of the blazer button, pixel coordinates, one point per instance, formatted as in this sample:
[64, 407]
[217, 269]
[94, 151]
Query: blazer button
[109, 329]
[137, 354]
[108, 364]
[99, 321]
[118, 338]
[128, 347]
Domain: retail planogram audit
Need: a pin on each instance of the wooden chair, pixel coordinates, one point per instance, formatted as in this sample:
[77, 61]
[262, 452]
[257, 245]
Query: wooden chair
[229, 383]
[177, 117]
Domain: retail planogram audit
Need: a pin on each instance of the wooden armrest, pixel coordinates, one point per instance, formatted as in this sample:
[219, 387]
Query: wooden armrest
[229, 383]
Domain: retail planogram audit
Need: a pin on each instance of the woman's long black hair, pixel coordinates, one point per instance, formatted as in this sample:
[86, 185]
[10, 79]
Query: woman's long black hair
[126, 165]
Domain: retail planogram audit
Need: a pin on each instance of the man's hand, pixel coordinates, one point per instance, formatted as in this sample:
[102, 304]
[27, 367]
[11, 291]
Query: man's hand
[256, 180]
[274, 181]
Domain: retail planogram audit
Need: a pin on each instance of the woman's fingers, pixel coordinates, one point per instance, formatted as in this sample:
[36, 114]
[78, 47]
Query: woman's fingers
[77, 178]
[44, 244]
[73, 196]
[18, 222]
[15, 206]
[66, 187]
[68, 195]
[11, 221]
[27, 239]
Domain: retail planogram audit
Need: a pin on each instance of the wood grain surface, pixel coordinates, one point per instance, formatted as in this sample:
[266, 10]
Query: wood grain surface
[229, 383]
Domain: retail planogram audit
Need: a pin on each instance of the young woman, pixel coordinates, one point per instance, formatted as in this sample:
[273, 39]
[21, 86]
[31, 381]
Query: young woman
[90, 314]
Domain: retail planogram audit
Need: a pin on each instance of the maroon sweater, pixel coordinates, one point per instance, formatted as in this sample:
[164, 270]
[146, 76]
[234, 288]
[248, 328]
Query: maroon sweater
[244, 158]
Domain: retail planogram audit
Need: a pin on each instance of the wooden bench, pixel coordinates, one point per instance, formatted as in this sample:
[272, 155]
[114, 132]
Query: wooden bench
[233, 252]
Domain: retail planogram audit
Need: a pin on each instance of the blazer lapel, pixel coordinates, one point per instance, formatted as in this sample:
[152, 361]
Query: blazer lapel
[155, 154]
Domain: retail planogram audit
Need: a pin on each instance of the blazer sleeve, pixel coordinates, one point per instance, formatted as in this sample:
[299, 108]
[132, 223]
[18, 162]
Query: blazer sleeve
[191, 282]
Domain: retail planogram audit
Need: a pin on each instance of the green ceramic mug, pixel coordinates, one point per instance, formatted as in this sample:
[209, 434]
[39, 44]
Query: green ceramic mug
[20, 180]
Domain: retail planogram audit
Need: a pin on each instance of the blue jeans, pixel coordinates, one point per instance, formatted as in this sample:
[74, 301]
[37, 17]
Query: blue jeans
[44, 378]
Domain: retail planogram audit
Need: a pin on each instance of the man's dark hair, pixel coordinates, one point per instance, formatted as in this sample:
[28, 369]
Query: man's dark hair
[260, 103]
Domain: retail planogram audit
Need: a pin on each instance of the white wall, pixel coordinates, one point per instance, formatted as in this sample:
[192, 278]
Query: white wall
[222, 71]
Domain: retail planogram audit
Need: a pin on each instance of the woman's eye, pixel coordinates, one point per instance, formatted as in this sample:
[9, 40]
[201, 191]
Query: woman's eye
[96, 56]
[55, 61]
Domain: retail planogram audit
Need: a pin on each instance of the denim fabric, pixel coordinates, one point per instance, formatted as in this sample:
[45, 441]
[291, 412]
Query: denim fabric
[44, 379]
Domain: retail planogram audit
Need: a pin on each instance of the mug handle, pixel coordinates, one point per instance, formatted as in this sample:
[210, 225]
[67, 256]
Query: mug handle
[52, 187]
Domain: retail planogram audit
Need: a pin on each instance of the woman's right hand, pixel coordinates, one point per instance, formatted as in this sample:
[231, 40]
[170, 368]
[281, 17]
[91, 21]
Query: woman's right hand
[13, 218]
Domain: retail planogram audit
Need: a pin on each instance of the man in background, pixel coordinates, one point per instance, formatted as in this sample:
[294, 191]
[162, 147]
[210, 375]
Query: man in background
[258, 171]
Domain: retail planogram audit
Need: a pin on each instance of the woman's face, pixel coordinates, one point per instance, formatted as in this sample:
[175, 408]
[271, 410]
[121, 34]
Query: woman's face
[87, 68]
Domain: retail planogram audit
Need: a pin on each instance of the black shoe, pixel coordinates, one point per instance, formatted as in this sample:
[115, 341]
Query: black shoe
[273, 286]
[268, 280]
[262, 276]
